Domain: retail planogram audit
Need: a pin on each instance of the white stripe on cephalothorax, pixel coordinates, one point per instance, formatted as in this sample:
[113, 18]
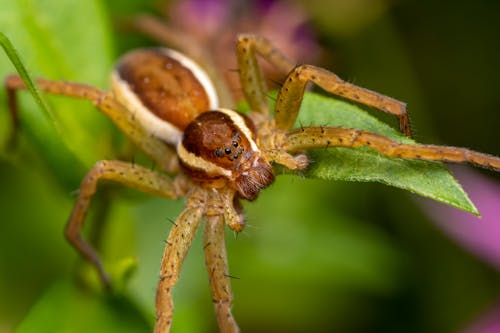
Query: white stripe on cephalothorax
[152, 123]
[200, 163]
[240, 124]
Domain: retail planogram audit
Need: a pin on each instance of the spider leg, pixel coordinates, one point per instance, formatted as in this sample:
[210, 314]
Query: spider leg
[162, 154]
[140, 178]
[292, 91]
[292, 162]
[178, 243]
[216, 261]
[320, 137]
[251, 78]
[233, 218]
[14, 113]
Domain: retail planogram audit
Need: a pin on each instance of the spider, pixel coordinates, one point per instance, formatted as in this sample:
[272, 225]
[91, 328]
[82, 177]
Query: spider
[166, 104]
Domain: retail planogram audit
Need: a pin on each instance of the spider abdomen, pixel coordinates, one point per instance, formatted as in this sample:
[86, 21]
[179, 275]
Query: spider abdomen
[164, 89]
[218, 147]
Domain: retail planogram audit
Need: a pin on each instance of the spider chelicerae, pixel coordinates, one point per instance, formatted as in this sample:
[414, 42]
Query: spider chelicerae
[166, 104]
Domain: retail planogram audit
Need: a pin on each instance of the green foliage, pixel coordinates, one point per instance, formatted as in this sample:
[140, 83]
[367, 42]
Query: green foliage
[23, 72]
[428, 179]
[57, 45]
[66, 308]
[316, 255]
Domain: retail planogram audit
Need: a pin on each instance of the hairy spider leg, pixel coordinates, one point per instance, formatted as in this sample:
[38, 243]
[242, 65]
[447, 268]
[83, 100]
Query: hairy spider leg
[217, 267]
[318, 137]
[292, 90]
[232, 218]
[292, 162]
[135, 176]
[251, 77]
[162, 154]
[214, 206]
[177, 245]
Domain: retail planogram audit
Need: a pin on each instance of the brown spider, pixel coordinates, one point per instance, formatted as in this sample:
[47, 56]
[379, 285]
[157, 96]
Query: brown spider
[167, 106]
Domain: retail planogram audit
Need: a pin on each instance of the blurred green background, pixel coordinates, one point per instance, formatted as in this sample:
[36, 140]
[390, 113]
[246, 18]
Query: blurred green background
[317, 256]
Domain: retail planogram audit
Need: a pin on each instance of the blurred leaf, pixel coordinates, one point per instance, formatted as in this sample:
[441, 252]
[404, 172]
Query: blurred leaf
[301, 249]
[120, 272]
[344, 18]
[31, 238]
[429, 179]
[23, 72]
[44, 33]
[66, 308]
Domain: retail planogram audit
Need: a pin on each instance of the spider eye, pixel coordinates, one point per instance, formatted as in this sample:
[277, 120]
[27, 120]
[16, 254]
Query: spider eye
[218, 152]
[227, 151]
[236, 136]
[235, 144]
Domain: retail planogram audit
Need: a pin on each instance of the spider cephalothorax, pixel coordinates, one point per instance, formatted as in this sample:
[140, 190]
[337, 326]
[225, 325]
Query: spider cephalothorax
[167, 105]
[219, 145]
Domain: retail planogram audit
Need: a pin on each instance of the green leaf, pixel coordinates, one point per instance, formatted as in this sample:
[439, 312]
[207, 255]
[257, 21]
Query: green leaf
[120, 271]
[60, 40]
[429, 179]
[23, 72]
[65, 307]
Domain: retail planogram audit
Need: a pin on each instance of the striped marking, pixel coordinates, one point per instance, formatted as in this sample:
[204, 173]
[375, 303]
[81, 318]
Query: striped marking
[200, 163]
[239, 122]
[155, 125]
[199, 73]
